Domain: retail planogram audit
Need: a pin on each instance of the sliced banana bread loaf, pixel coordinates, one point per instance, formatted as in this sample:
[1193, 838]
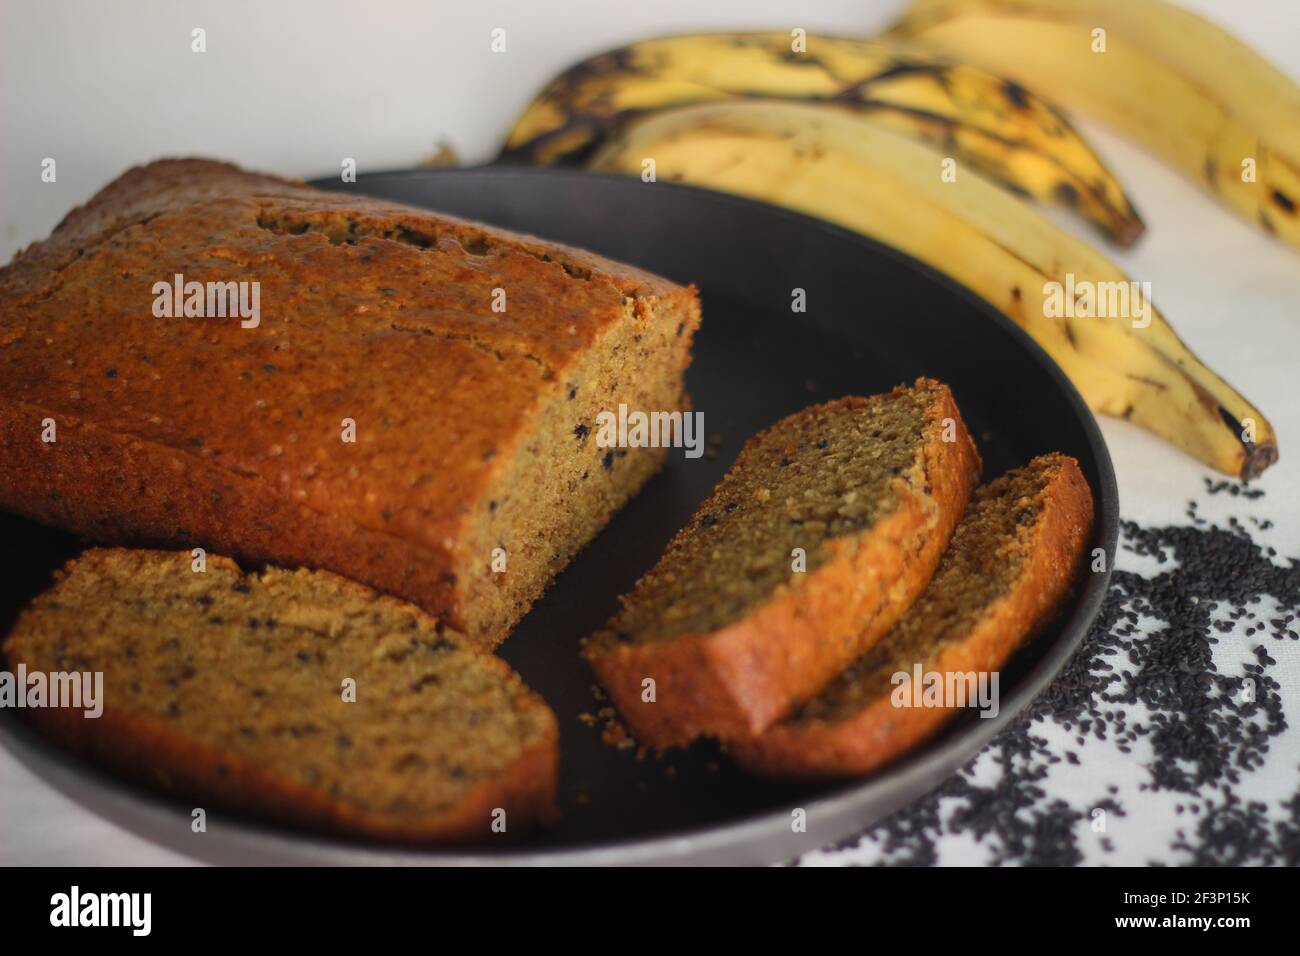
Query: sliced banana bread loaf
[825, 529]
[1011, 561]
[412, 405]
[295, 695]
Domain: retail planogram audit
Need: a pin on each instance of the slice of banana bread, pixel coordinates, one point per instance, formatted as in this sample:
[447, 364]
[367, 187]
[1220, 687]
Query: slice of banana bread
[1012, 559]
[294, 695]
[412, 405]
[826, 528]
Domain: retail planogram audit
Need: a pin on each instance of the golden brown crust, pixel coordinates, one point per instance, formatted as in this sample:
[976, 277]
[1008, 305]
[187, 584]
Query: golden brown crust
[144, 192]
[150, 753]
[879, 732]
[156, 495]
[371, 311]
[734, 682]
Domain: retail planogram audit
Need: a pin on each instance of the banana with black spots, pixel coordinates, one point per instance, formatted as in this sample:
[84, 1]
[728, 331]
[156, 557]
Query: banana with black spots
[985, 122]
[1173, 81]
[829, 163]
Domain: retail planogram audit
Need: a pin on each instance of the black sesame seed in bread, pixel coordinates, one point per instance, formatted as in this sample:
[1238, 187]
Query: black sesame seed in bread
[232, 689]
[1012, 559]
[732, 626]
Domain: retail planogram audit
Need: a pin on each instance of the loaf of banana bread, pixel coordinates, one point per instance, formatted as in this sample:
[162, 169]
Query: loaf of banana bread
[293, 695]
[201, 356]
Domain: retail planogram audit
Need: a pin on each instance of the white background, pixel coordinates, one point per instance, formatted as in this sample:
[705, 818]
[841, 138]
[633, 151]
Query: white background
[293, 87]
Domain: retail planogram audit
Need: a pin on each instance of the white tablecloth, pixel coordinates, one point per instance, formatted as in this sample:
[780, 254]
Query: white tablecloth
[101, 89]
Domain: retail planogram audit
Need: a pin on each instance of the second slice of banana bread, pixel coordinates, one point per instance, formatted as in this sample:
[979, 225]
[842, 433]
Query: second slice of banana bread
[824, 530]
[1012, 559]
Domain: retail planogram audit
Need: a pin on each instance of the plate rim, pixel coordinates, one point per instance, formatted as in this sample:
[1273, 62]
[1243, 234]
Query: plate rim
[249, 842]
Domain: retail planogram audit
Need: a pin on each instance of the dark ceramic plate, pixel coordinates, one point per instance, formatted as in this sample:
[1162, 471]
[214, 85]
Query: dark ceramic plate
[874, 318]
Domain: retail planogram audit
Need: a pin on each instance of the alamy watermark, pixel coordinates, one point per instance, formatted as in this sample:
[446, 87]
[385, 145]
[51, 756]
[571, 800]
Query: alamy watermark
[209, 300]
[946, 689]
[638, 429]
[133, 911]
[1085, 299]
[77, 690]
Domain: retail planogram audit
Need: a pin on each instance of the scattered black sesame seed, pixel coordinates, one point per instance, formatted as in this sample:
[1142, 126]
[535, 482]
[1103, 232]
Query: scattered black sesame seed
[1203, 736]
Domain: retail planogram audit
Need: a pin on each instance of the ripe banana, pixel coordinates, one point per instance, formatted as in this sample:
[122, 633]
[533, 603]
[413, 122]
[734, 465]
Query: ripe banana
[830, 164]
[982, 120]
[1175, 82]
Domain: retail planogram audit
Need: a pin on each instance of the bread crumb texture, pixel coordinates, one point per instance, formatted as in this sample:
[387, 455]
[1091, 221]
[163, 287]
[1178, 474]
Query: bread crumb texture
[820, 535]
[830, 473]
[1011, 562]
[231, 685]
[998, 537]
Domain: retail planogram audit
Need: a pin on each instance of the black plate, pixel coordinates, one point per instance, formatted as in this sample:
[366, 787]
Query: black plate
[874, 318]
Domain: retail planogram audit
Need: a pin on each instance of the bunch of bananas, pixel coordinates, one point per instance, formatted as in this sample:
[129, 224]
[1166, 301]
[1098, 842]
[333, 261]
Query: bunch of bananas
[991, 123]
[861, 133]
